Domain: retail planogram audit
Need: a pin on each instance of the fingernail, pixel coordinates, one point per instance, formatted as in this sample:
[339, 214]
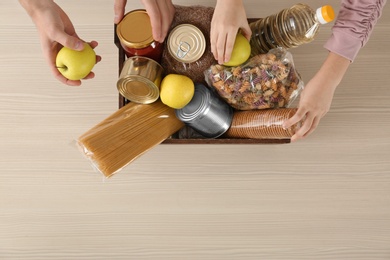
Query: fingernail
[159, 38]
[78, 45]
[116, 17]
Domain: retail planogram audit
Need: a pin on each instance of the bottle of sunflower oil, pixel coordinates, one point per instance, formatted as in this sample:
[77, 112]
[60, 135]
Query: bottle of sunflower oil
[289, 28]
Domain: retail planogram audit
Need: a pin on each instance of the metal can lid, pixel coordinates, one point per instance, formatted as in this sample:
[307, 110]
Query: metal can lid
[135, 29]
[186, 43]
[138, 89]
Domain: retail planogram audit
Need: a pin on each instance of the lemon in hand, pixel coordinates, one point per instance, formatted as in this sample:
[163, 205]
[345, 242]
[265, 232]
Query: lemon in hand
[176, 90]
[241, 51]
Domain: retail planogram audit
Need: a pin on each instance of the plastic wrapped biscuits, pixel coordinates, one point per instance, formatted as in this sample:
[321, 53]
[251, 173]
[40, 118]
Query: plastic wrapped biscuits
[262, 124]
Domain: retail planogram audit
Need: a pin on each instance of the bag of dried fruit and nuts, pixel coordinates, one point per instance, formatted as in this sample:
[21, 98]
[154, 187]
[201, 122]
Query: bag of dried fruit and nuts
[265, 81]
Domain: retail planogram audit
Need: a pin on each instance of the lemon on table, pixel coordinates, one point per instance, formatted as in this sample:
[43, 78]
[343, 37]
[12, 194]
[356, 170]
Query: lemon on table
[176, 90]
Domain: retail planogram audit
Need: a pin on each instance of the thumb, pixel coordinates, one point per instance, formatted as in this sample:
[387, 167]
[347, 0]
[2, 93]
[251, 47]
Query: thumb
[72, 42]
[119, 10]
[246, 31]
[298, 116]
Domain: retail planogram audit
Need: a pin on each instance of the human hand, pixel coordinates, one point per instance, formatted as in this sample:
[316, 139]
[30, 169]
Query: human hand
[316, 97]
[229, 16]
[161, 13]
[55, 31]
[314, 103]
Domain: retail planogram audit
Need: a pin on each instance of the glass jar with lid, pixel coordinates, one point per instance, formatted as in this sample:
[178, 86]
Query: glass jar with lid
[135, 35]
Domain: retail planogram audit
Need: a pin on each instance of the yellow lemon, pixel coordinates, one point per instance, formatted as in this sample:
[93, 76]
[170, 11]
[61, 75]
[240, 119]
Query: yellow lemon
[176, 90]
[241, 51]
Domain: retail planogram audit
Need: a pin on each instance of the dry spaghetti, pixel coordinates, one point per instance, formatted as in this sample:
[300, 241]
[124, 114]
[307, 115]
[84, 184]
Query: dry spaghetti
[126, 134]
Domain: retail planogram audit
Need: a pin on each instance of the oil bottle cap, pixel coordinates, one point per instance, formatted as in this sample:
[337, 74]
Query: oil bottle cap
[325, 14]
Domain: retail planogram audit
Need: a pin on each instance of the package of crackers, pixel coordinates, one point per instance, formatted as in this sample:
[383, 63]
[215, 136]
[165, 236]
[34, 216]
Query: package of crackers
[263, 124]
[265, 81]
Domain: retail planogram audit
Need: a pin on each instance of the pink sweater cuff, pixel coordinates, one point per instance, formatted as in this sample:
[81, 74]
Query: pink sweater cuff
[343, 44]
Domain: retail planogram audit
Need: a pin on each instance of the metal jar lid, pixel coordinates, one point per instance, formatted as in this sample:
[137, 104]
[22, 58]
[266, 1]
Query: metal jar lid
[186, 43]
[140, 80]
[135, 29]
[206, 113]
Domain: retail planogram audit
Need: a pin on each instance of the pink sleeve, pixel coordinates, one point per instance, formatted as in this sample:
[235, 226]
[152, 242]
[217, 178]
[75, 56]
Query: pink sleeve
[353, 26]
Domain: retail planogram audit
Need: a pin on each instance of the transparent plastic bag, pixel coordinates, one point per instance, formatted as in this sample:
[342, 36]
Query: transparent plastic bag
[264, 81]
[200, 17]
[262, 124]
[126, 134]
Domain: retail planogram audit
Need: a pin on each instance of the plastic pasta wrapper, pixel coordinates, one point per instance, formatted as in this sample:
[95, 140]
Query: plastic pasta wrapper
[264, 81]
[262, 124]
[187, 49]
[126, 134]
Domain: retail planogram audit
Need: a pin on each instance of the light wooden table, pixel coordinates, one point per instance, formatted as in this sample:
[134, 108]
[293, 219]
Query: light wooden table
[326, 197]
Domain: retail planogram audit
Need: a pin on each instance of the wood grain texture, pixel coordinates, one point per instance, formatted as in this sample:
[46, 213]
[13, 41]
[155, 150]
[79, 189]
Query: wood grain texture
[326, 197]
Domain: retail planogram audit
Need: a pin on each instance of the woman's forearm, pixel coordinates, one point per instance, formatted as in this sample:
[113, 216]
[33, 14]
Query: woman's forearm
[353, 26]
[333, 70]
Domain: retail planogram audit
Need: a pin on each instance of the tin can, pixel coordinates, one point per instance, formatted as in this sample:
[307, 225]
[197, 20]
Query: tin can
[135, 35]
[208, 114]
[186, 43]
[140, 79]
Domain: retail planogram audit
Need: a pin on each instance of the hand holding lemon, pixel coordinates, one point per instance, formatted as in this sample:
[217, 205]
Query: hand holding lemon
[241, 51]
[176, 90]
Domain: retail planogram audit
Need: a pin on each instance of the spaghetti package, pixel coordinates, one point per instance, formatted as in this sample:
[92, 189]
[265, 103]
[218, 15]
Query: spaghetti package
[262, 124]
[264, 81]
[126, 134]
[187, 49]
